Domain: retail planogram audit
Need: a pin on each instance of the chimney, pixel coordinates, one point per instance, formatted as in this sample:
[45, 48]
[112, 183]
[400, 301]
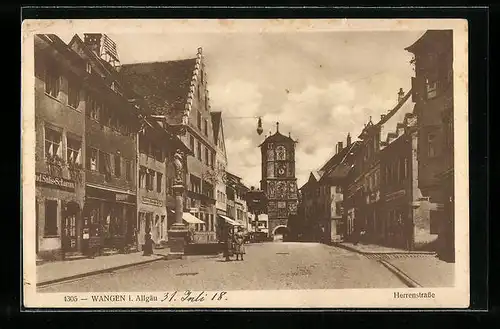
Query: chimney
[348, 139]
[93, 42]
[341, 146]
[401, 94]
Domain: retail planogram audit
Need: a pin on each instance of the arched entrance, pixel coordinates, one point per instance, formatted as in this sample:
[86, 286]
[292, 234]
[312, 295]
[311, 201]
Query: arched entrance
[280, 233]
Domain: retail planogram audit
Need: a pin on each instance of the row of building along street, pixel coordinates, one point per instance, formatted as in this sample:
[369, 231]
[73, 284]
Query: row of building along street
[393, 186]
[110, 140]
[107, 136]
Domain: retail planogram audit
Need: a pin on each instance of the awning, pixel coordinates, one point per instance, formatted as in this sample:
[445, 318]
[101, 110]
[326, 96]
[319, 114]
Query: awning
[230, 221]
[191, 219]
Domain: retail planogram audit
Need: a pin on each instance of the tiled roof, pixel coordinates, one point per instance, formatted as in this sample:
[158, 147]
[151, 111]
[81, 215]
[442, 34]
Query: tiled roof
[163, 86]
[343, 163]
[277, 137]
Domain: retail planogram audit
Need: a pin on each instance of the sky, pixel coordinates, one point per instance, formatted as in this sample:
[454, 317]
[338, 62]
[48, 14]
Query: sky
[318, 85]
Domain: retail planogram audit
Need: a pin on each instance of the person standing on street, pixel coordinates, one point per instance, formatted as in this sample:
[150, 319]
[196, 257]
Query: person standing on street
[239, 244]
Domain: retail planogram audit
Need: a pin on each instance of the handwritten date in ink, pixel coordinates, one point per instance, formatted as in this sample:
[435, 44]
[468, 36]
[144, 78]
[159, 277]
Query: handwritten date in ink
[193, 297]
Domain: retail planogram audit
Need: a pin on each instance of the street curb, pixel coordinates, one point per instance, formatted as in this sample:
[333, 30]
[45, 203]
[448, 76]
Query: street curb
[401, 275]
[430, 253]
[82, 275]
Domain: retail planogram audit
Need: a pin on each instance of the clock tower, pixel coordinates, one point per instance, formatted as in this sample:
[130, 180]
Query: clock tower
[278, 179]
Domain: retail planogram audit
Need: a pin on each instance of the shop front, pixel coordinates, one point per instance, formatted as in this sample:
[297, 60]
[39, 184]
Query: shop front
[58, 216]
[152, 218]
[399, 220]
[109, 219]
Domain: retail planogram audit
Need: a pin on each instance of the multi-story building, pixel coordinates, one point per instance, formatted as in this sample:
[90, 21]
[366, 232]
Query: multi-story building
[332, 183]
[111, 124]
[407, 222]
[176, 91]
[155, 199]
[220, 163]
[309, 207]
[278, 180]
[59, 151]
[363, 202]
[237, 206]
[433, 94]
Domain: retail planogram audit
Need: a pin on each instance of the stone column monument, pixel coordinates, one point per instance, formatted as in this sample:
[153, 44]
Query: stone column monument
[178, 231]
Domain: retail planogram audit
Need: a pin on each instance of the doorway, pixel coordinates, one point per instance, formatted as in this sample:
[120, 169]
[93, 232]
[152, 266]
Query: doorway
[69, 238]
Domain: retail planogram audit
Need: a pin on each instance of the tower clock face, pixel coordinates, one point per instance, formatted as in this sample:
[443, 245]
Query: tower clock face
[281, 170]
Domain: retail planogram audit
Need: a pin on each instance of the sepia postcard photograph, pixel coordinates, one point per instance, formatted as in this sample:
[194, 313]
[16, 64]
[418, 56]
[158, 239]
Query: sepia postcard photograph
[258, 163]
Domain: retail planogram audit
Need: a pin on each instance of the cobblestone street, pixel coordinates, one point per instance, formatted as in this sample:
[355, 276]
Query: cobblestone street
[266, 266]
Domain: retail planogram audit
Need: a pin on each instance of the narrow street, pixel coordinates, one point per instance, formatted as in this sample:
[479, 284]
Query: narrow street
[274, 265]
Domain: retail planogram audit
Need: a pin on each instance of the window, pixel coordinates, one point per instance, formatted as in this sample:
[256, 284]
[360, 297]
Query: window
[191, 143]
[73, 95]
[73, 151]
[104, 163]
[118, 165]
[92, 159]
[212, 225]
[50, 228]
[431, 145]
[88, 68]
[128, 170]
[150, 176]
[212, 160]
[142, 177]
[206, 127]
[52, 83]
[431, 86]
[158, 154]
[159, 178]
[52, 142]
[93, 108]
[198, 121]
[199, 151]
[206, 157]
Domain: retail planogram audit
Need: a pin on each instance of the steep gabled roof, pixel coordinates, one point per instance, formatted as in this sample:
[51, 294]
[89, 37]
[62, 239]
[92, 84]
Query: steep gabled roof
[164, 86]
[313, 178]
[344, 164]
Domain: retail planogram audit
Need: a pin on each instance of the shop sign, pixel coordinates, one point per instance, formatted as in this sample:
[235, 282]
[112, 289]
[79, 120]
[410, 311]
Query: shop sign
[56, 182]
[152, 202]
[123, 197]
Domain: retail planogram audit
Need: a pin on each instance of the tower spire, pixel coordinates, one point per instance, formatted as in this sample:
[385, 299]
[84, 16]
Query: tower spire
[277, 127]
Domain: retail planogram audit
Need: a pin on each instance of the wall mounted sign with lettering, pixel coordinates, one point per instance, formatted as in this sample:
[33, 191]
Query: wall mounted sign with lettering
[55, 182]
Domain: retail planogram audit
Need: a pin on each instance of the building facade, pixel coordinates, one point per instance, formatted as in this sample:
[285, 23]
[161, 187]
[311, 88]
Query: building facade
[332, 182]
[278, 179]
[220, 164]
[433, 96]
[60, 144]
[110, 148]
[156, 172]
[237, 205]
[176, 91]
